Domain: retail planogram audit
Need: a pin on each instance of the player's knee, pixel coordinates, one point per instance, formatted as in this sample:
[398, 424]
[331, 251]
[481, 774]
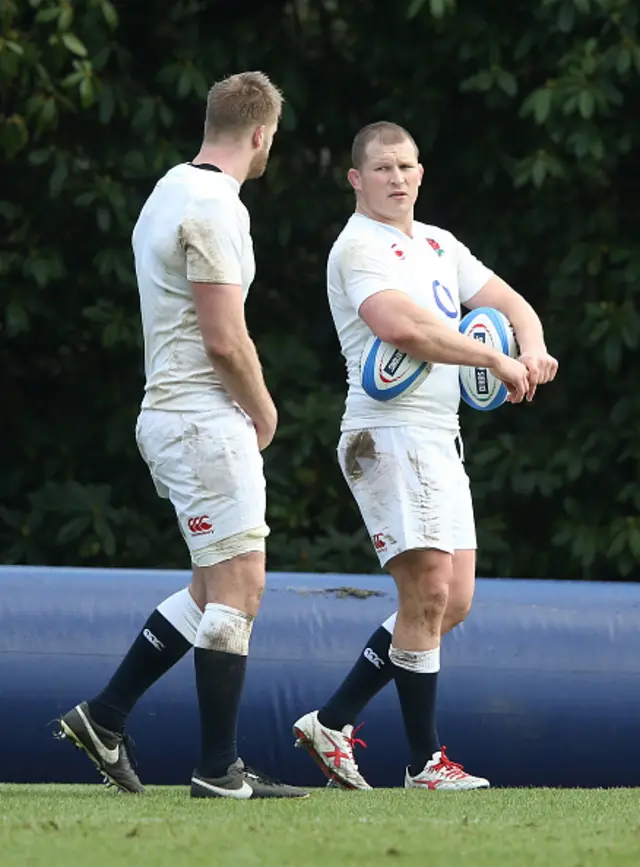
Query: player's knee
[434, 598]
[456, 613]
[232, 569]
[253, 586]
[224, 628]
[425, 599]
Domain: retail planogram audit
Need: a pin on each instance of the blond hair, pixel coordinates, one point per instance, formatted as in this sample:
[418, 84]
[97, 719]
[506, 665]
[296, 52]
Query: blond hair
[383, 131]
[239, 102]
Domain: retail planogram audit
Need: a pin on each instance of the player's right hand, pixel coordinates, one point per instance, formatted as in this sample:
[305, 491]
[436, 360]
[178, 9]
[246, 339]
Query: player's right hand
[515, 376]
[265, 426]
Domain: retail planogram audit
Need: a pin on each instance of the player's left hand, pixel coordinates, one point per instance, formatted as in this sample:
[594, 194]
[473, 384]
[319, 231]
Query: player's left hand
[542, 368]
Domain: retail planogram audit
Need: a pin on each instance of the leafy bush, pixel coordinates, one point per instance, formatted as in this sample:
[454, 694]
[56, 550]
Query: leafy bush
[524, 114]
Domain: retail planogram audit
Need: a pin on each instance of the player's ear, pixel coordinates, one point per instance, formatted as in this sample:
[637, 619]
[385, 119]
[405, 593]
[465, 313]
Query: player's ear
[258, 137]
[420, 173]
[353, 176]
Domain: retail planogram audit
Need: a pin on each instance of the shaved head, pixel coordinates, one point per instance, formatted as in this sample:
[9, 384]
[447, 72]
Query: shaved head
[383, 131]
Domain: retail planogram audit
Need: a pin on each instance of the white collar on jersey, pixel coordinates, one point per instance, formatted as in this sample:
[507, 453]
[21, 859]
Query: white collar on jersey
[209, 167]
[358, 217]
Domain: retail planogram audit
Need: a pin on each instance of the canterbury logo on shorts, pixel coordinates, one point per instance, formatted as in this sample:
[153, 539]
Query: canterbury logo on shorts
[199, 526]
[378, 541]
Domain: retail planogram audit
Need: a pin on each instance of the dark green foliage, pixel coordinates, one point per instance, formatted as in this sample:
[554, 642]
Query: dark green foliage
[527, 117]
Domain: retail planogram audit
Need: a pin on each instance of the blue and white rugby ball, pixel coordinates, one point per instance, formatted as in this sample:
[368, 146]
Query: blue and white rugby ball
[387, 372]
[478, 386]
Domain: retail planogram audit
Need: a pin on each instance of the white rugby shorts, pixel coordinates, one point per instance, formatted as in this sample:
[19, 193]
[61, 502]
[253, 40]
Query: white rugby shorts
[210, 468]
[411, 488]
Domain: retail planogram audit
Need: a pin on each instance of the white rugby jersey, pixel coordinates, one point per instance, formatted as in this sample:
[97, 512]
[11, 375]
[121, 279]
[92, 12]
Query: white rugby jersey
[437, 272]
[193, 227]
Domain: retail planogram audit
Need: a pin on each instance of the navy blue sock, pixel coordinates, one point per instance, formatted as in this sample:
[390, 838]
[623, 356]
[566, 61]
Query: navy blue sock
[417, 694]
[371, 672]
[219, 683]
[158, 647]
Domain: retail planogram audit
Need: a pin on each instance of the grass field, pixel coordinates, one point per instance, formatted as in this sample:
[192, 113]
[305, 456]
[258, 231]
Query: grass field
[88, 825]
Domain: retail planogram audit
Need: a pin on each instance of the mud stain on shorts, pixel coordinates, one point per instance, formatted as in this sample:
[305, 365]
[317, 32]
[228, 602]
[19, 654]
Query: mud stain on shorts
[361, 447]
[422, 502]
[414, 460]
[213, 462]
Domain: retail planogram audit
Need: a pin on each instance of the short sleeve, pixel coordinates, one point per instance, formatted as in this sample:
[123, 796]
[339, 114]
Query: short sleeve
[366, 269]
[472, 274]
[212, 236]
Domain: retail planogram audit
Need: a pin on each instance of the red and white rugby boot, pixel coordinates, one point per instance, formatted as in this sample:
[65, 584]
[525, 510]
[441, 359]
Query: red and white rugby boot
[332, 750]
[441, 773]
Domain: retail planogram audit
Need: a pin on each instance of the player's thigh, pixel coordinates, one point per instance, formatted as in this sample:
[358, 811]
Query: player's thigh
[463, 564]
[212, 472]
[400, 480]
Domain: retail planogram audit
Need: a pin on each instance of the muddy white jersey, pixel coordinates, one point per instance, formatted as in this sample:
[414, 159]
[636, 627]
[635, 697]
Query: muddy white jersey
[438, 273]
[192, 228]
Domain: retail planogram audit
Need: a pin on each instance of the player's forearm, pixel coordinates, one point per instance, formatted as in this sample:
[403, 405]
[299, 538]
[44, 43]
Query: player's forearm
[241, 375]
[527, 327]
[429, 340]
[523, 318]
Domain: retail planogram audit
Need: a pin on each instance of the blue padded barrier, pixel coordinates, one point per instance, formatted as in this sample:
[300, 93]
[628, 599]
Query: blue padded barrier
[540, 686]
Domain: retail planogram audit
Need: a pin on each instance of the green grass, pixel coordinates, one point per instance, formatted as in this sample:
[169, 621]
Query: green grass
[88, 826]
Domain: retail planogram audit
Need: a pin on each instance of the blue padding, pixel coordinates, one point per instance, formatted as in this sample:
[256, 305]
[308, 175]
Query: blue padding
[540, 687]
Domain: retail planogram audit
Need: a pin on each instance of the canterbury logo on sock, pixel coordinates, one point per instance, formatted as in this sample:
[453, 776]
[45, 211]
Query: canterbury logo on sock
[151, 638]
[372, 657]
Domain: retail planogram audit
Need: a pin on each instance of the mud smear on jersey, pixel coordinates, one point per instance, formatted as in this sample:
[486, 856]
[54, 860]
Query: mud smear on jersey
[204, 262]
[361, 447]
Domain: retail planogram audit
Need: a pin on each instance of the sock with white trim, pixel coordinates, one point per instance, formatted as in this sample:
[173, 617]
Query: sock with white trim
[220, 656]
[371, 672]
[416, 676]
[168, 634]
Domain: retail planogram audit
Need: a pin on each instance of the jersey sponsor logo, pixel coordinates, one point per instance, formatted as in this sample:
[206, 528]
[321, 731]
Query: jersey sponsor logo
[378, 541]
[444, 300]
[199, 526]
[372, 657]
[153, 639]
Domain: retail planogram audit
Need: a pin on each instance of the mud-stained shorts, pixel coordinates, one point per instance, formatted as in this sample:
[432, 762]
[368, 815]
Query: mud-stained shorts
[411, 488]
[210, 468]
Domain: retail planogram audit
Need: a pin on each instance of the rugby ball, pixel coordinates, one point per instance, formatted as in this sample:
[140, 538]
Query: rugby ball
[387, 372]
[479, 388]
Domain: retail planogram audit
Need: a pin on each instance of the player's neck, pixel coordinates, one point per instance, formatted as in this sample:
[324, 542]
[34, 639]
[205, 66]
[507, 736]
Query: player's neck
[405, 224]
[228, 158]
